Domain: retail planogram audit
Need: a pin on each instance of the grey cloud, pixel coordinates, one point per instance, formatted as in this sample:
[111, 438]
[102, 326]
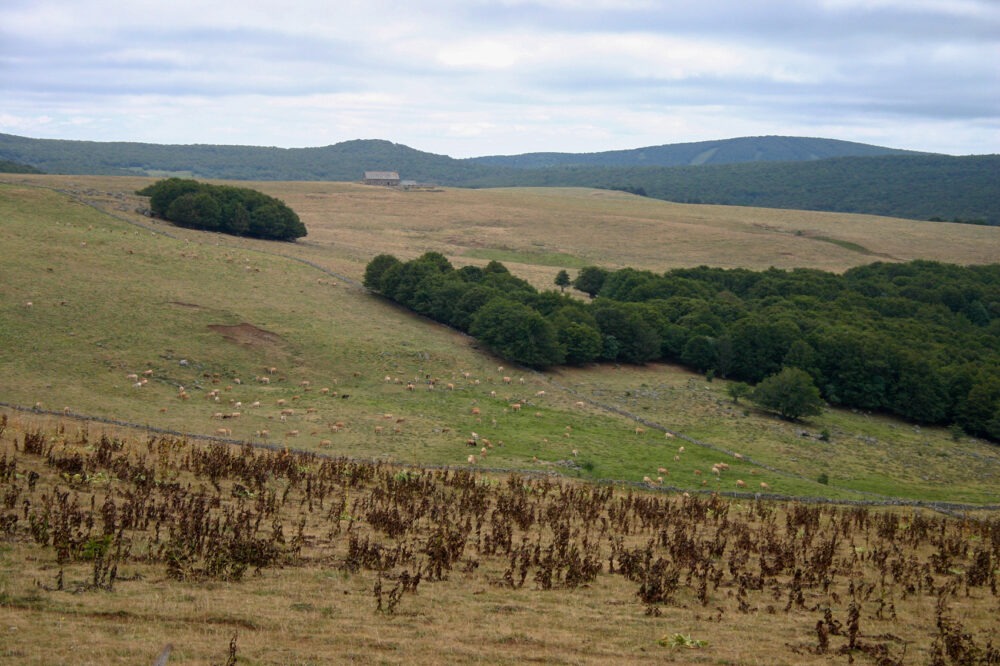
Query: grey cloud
[864, 65]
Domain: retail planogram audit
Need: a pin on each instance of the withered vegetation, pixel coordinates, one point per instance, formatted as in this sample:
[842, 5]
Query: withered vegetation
[849, 582]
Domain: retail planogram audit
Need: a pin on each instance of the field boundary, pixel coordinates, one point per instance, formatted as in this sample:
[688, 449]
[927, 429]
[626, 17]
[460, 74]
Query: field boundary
[955, 509]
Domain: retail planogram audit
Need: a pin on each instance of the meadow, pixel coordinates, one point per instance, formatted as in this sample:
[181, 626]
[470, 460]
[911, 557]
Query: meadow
[107, 314]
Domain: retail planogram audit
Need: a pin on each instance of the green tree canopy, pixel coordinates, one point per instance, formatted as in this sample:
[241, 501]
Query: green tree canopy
[562, 280]
[517, 332]
[791, 393]
[233, 210]
[590, 279]
[376, 268]
[918, 339]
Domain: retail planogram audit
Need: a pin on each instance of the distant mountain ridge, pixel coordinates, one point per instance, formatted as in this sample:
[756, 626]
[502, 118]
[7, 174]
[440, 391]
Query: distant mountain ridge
[348, 159]
[771, 171]
[722, 151]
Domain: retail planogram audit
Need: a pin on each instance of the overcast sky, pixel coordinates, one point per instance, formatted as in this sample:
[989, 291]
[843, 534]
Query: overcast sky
[485, 77]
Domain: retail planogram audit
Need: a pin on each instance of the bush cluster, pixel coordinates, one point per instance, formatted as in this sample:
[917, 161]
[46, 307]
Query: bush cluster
[920, 340]
[232, 210]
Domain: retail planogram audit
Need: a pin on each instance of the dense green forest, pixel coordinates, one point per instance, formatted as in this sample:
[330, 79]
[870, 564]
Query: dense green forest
[919, 187]
[723, 151]
[6, 166]
[778, 172]
[920, 340]
[238, 211]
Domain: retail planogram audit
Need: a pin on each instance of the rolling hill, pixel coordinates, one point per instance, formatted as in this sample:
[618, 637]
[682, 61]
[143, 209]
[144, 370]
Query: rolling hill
[234, 307]
[724, 151]
[137, 357]
[778, 172]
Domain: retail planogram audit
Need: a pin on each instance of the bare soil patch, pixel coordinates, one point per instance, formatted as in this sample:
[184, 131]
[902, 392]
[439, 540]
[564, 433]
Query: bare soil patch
[246, 334]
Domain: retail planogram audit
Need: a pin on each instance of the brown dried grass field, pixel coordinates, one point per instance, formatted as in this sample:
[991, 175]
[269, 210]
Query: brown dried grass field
[118, 544]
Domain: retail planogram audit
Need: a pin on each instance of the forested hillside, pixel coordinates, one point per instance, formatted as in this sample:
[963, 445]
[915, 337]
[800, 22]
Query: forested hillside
[724, 151]
[7, 166]
[346, 161]
[913, 185]
[920, 187]
[920, 340]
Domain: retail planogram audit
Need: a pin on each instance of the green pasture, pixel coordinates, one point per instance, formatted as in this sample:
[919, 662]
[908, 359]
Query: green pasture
[87, 300]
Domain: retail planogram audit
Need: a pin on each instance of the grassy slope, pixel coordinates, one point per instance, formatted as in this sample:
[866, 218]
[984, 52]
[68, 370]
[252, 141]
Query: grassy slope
[135, 300]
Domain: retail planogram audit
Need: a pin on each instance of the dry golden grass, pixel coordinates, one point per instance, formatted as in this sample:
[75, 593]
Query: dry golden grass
[548, 227]
[312, 606]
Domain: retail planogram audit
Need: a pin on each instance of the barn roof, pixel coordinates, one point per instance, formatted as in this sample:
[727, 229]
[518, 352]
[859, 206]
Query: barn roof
[381, 175]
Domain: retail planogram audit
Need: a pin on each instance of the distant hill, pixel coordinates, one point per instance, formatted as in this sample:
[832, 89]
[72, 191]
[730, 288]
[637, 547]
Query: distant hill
[343, 161]
[778, 172]
[915, 186]
[724, 151]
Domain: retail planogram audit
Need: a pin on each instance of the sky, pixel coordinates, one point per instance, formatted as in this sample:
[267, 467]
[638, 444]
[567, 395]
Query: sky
[496, 77]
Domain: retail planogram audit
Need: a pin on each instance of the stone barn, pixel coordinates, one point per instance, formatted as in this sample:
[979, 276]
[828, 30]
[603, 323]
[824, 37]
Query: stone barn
[385, 178]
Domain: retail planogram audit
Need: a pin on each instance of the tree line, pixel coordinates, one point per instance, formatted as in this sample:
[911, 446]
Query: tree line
[238, 211]
[9, 166]
[920, 340]
[918, 187]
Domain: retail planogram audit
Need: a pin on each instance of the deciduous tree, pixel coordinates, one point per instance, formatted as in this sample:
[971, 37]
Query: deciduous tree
[791, 393]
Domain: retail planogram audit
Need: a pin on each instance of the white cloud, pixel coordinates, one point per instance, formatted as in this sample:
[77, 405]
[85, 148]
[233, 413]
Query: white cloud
[480, 54]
